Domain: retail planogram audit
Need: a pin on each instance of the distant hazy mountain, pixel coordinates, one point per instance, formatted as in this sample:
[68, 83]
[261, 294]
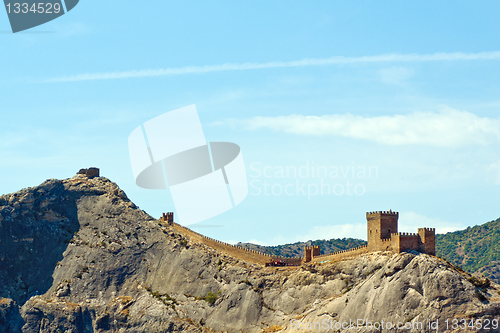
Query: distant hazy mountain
[475, 249]
[297, 249]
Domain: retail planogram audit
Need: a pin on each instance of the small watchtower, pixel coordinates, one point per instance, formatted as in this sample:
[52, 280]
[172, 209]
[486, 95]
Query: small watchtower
[427, 241]
[310, 252]
[167, 218]
[380, 225]
[90, 172]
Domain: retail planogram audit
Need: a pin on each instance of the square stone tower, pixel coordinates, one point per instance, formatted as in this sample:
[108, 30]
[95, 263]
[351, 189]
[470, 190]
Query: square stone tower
[310, 252]
[168, 218]
[380, 225]
[90, 172]
[427, 242]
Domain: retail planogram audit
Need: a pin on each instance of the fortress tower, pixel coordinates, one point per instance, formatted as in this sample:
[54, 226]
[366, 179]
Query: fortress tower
[427, 242]
[383, 235]
[310, 252]
[167, 218]
[380, 226]
[90, 172]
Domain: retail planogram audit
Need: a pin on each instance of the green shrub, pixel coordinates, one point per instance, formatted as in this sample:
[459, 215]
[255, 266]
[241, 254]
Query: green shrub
[245, 282]
[164, 298]
[210, 298]
[484, 284]
[480, 296]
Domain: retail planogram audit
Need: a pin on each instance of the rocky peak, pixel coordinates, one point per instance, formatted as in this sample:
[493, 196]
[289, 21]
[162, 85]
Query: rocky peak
[77, 255]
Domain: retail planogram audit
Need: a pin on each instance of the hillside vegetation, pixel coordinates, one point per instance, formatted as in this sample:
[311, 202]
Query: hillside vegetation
[474, 249]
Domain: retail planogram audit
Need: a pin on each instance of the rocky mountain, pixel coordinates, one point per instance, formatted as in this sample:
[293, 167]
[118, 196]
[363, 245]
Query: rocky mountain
[76, 255]
[297, 249]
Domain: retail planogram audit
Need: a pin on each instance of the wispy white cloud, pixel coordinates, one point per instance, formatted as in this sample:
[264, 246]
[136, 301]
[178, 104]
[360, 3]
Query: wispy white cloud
[357, 230]
[396, 75]
[493, 171]
[352, 230]
[408, 222]
[72, 29]
[10, 139]
[411, 221]
[448, 128]
[338, 60]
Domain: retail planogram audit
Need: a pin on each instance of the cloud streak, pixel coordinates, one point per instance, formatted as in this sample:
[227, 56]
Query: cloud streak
[338, 60]
[411, 221]
[327, 232]
[448, 128]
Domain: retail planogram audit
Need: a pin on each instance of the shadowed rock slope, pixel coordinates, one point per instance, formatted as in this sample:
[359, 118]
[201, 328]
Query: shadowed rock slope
[77, 255]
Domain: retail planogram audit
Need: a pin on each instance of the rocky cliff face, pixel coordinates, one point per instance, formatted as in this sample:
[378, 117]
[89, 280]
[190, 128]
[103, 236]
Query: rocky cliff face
[78, 256]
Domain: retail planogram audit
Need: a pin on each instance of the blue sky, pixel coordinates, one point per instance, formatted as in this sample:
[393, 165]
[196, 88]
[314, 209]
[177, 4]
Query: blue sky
[407, 90]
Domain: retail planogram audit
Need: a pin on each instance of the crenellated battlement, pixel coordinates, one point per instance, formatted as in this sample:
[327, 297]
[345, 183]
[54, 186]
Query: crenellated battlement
[234, 250]
[90, 172]
[341, 251]
[311, 252]
[342, 254]
[405, 234]
[383, 212]
[167, 218]
[428, 229]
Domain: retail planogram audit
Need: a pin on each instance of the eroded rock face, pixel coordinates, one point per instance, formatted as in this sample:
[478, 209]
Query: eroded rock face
[78, 256]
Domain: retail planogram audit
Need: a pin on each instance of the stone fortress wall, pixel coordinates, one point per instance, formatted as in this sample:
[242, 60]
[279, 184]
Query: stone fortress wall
[339, 255]
[234, 250]
[382, 231]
